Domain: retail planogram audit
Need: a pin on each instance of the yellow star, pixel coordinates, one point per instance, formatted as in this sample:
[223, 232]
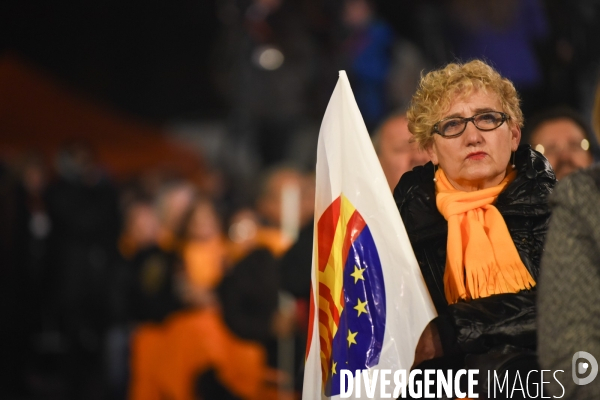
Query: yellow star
[333, 368]
[360, 307]
[351, 337]
[358, 274]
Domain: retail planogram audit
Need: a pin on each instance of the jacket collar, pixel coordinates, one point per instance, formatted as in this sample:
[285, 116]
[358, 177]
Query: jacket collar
[528, 193]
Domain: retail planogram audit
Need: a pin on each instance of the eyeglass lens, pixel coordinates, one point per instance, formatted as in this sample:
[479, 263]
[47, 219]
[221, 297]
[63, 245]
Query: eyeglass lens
[484, 121]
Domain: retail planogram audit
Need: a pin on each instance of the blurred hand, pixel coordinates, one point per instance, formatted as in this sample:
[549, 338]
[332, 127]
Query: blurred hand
[429, 346]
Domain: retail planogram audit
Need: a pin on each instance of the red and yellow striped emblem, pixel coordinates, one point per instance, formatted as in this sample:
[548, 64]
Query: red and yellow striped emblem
[337, 229]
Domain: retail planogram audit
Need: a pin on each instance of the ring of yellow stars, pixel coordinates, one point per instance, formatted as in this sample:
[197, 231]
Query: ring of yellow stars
[360, 307]
[358, 274]
[333, 372]
[351, 337]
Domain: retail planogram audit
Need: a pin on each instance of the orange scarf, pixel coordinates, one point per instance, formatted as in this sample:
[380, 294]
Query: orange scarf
[204, 261]
[481, 258]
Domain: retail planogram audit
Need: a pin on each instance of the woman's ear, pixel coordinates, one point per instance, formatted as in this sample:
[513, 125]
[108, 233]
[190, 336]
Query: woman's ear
[432, 152]
[515, 139]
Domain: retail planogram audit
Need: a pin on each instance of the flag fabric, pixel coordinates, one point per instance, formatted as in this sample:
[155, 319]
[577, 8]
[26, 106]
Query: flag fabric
[369, 303]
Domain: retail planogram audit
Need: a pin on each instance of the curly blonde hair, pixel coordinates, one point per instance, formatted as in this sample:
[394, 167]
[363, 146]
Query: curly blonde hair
[439, 88]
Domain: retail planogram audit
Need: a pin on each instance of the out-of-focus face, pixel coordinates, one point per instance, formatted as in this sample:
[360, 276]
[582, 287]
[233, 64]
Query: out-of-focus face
[564, 144]
[141, 225]
[243, 227]
[357, 13]
[269, 205]
[475, 160]
[176, 204]
[204, 224]
[396, 153]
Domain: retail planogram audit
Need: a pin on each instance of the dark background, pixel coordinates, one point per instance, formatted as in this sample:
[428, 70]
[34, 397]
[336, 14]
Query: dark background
[150, 59]
[153, 59]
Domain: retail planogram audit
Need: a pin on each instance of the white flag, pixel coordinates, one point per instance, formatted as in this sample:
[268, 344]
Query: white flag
[369, 302]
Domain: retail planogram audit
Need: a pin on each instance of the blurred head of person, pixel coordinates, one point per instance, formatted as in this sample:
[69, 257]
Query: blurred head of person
[242, 231]
[281, 189]
[33, 173]
[357, 13]
[274, 183]
[202, 222]
[396, 149]
[140, 228]
[172, 204]
[76, 162]
[563, 137]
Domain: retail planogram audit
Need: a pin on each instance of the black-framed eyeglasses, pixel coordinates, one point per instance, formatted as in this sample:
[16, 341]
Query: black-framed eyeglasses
[455, 126]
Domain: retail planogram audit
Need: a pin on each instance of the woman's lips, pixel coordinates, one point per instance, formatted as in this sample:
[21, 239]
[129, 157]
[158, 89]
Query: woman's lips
[478, 155]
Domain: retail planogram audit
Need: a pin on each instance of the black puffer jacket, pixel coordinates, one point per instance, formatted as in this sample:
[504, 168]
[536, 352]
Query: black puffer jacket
[481, 324]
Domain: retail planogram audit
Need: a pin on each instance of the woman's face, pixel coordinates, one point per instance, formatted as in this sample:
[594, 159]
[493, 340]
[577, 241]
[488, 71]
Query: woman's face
[475, 160]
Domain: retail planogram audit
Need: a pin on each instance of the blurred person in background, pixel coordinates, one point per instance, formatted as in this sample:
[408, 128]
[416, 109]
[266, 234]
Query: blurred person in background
[33, 229]
[564, 138]
[396, 150]
[144, 280]
[34, 182]
[151, 243]
[569, 292]
[187, 341]
[173, 201]
[273, 185]
[295, 271]
[153, 285]
[249, 292]
[572, 62]
[139, 233]
[23, 249]
[264, 68]
[295, 264]
[407, 64]
[260, 226]
[203, 247]
[507, 35]
[83, 210]
[140, 227]
[367, 52]
[167, 283]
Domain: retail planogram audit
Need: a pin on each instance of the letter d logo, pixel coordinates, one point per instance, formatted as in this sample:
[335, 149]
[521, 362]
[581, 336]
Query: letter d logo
[583, 367]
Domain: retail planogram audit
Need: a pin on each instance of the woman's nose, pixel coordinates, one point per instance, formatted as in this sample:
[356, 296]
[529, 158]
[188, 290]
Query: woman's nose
[472, 135]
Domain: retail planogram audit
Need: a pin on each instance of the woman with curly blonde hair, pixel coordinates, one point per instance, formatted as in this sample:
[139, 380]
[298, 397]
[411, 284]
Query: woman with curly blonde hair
[476, 216]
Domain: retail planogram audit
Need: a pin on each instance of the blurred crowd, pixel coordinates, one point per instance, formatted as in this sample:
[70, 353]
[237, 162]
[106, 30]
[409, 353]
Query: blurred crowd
[98, 276]
[167, 287]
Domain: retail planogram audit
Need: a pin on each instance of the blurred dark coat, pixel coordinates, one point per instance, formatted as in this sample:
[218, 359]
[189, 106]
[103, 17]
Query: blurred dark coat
[82, 245]
[249, 296]
[151, 290]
